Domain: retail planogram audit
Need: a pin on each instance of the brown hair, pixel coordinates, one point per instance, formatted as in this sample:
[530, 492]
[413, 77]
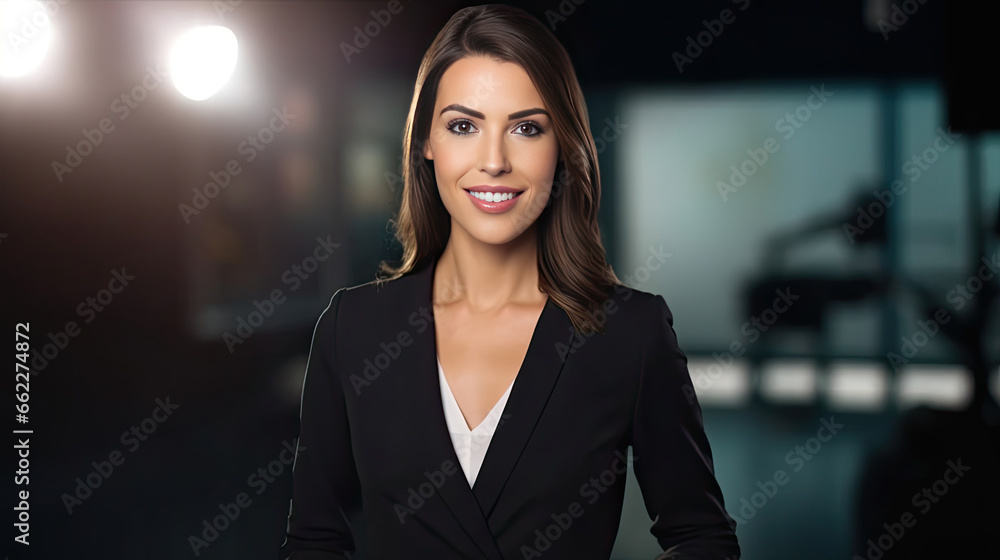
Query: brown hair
[571, 258]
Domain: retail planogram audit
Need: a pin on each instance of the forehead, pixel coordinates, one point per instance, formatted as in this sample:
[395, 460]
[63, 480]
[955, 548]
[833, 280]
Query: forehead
[482, 82]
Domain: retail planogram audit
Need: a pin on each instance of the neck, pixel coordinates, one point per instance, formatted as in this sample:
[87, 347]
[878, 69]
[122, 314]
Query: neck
[487, 277]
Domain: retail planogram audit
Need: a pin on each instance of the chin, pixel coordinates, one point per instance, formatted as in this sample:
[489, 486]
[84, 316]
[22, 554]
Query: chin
[494, 230]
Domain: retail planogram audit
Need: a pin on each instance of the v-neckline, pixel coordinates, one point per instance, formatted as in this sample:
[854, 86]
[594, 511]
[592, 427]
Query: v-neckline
[472, 505]
[548, 308]
[446, 388]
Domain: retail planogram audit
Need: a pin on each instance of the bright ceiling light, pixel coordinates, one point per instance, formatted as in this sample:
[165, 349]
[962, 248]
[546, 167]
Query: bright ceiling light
[202, 61]
[25, 34]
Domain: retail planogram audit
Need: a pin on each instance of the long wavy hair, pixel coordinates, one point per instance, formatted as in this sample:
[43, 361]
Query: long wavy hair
[572, 265]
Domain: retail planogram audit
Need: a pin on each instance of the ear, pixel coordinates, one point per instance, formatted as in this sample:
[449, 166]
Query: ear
[428, 154]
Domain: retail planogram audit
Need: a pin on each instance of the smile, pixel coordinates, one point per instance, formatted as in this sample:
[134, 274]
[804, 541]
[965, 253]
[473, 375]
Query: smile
[493, 203]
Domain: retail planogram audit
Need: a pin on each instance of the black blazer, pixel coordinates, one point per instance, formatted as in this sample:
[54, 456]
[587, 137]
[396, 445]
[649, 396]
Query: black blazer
[373, 436]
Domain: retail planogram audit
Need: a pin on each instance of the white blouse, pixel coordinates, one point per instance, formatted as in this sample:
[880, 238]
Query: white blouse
[470, 445]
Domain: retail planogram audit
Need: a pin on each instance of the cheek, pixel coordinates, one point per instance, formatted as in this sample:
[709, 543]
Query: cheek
[542, 169]
[448, 167]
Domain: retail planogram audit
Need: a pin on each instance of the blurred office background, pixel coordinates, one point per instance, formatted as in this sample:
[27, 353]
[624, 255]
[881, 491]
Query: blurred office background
[843, 153]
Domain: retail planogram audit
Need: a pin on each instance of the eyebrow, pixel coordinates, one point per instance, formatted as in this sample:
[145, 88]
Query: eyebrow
[478, 115]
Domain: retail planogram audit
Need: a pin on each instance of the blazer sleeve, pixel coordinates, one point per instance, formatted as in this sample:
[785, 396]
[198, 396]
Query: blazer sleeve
[325, 485]
[672, 459]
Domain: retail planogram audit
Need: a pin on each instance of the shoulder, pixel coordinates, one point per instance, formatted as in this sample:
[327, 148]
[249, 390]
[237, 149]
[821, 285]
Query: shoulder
[642, 318]
[374, 298]
[637, 305]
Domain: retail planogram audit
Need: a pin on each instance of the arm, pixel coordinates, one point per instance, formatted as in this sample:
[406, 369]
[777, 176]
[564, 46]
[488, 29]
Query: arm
[325, 485]
[672, 458]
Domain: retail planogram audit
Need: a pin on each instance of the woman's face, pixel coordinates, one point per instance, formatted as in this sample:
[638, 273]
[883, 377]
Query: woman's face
[491, 130]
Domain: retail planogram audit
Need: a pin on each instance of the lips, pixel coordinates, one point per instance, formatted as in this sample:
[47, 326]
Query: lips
[491, 199]
[494, 189]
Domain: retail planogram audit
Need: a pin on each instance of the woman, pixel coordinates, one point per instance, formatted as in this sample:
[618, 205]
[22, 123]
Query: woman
[479, 400]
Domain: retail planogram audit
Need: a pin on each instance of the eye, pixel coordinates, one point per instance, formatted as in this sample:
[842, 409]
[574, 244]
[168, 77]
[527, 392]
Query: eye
[464, 127]
[459, 122]
[530, 125]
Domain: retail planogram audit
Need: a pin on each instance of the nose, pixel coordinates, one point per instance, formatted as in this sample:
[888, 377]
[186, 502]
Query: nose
[493, 157]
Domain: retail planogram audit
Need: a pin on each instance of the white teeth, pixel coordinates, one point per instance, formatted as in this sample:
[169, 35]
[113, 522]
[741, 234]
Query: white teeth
[493, 197]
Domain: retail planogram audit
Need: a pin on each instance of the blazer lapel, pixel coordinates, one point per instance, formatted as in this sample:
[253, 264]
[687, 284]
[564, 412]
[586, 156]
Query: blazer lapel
[535, 381]
[532, 386]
